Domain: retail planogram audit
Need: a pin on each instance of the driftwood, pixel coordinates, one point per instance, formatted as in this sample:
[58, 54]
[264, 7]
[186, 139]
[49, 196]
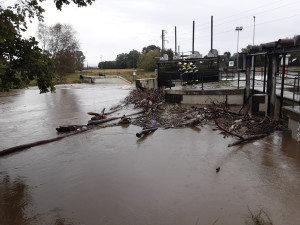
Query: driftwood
[227, 131]
[124, 120]
[33, 144]
[95, 122]
[97, 114]
[69, 128]
[248, 139]
[146, 131]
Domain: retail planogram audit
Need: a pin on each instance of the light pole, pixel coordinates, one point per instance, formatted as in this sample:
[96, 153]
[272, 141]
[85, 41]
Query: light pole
[238, 29]
[253, 29]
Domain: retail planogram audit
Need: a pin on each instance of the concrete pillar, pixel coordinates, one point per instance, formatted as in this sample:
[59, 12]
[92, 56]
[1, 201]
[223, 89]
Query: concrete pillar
[271, 84]
[248, 72]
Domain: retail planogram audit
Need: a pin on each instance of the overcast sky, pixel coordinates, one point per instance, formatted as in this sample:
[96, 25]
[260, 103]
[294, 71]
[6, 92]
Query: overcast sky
[107, 28]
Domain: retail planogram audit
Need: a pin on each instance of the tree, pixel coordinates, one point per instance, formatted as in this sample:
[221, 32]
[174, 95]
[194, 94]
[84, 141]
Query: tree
[147, 60]
[79, 60]
[21, 60]
[170, 53]
[107, 65]
[132, 59]
[150, 48]
[122, 61]
[60, 40]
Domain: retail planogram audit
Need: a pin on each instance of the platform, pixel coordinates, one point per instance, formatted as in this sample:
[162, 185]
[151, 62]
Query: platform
[213, 93]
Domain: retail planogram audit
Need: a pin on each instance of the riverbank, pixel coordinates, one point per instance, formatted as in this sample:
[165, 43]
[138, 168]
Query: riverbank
[73, 78]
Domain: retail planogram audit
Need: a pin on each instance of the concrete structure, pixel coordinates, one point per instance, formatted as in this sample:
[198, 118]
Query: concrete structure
[149, 83]
[293, 115]
[202, 97]
[259, 104]
[107, 79]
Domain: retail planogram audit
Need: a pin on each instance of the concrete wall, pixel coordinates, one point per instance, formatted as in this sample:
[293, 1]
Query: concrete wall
[202, 97]
[208, 99]
[293, 115]
[149, 83]
[109, 79]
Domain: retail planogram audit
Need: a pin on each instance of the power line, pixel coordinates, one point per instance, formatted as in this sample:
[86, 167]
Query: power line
[269, 9]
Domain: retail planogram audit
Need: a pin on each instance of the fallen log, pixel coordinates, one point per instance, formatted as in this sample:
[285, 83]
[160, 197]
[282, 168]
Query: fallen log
[146, 131]
[95, 122]
[227, 131]
[97, 114]
[248, 139]
[37, 143]
[69, 128]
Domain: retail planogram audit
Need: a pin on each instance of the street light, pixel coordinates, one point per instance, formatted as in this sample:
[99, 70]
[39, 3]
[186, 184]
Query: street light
[253, 30]
[238, 29]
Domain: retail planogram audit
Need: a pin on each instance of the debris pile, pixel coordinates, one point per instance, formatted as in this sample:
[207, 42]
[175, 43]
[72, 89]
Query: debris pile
[160, 114]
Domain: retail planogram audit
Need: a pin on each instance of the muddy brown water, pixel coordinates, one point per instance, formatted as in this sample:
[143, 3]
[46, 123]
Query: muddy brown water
[107, 176]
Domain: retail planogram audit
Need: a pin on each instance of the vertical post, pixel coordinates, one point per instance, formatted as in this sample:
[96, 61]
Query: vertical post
[271, 84]
[238, 80]
[294, 91]
[212, 30]
[163, 42]
[265, 73]
[248, 72]
[193, 37]
[253, 76]
[175, 40]
[253, 30]
[237, 52]
[282, 85]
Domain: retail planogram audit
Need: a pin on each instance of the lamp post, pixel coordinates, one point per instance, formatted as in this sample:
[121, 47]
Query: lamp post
[238, 29]
[253, 29]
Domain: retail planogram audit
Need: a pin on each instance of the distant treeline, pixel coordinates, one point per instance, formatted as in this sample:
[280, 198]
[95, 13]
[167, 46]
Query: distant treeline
[135, 59]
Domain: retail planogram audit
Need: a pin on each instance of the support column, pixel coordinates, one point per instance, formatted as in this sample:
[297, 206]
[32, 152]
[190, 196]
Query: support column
[271, 84]
[248, 72]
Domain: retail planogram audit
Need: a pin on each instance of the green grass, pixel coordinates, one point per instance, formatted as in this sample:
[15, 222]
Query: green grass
[71, 78]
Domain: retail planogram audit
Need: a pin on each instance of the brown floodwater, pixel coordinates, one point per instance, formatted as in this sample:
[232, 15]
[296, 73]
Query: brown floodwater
[107, 176]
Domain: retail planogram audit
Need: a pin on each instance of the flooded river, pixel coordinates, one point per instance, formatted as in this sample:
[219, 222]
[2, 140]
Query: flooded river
[108, 177]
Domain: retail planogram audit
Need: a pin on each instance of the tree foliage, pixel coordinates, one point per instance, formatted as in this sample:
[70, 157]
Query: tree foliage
[147, 60]
[150, 48]
[21, 60]
[60, 40]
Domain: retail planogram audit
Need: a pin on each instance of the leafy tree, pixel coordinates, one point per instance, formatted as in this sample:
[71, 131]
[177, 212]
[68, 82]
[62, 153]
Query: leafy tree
[147, 60]
[170, 53]
[107, 65]
[150, 48]
[60, 40]
[79, 60]
[21, 60]
[122, 61]
[132, 59]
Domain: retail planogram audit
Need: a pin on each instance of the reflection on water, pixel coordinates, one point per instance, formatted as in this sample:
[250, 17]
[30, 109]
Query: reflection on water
[14, 200]
[108, 176]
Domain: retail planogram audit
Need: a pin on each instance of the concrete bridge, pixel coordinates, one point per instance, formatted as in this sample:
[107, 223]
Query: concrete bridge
[107, 79]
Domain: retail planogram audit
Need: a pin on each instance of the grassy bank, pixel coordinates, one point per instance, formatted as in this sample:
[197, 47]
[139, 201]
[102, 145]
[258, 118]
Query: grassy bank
[125, 73]
[71, 78]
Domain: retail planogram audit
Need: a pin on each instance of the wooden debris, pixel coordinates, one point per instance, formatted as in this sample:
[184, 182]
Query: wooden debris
[97, 114]
[146, 131]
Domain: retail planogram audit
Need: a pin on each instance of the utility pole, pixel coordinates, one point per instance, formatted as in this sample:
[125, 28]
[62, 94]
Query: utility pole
[163, 32]
[193, 37]
[238, 29]
[175, 40]
[212, 32]
[253, 30]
